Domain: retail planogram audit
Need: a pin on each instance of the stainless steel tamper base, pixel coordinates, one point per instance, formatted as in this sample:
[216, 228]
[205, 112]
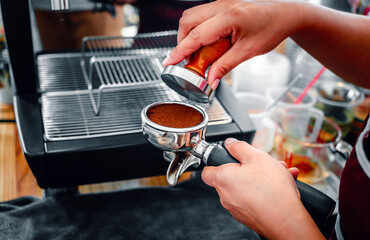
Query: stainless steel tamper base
[187, 83]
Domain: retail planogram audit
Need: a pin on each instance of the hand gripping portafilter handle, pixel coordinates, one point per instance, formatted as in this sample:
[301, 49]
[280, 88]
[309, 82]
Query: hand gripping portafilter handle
[319, 205]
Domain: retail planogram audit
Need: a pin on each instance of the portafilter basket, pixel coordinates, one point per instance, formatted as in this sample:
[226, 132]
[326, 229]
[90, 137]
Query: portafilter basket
[185, 147]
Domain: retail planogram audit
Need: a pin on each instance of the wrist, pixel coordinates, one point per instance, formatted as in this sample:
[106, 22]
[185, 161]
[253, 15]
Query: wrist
[311, 21]
[303, 13]
[298, 225]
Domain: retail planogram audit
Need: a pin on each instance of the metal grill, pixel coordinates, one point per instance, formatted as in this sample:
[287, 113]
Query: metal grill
[129, 70]
[142, 44]
[61, 72]
[131, 82]
[69, 115]
[121, 62]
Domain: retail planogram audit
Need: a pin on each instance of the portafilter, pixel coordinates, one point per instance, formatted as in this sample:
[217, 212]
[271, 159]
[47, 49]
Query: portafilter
[185, 147]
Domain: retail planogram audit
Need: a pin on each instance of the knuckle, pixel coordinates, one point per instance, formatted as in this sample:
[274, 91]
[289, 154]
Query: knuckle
[225, 173]
[194, 34]
[219, 177]
[186, 13]
[217, 180]
[224, 68]
[224, 203]
[235, 12]
[183, 22]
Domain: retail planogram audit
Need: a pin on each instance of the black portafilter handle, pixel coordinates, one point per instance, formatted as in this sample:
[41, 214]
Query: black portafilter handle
[318, 204]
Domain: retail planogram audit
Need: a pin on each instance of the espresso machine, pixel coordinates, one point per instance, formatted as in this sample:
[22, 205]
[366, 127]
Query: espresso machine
[78, 110]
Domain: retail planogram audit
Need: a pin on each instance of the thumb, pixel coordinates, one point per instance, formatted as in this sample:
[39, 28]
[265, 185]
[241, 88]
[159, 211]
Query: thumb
[240, 150]
[294, 171]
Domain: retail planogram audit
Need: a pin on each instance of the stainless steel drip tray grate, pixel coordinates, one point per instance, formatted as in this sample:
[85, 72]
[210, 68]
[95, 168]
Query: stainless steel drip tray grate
[69, 115]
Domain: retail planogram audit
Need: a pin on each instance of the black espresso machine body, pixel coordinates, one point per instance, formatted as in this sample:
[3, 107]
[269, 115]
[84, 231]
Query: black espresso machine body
[95, 157]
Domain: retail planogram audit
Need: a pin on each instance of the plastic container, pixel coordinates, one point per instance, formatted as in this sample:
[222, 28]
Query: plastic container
[255, 104]
[270, 69]
[287, 102]
[337, 100]
[313, 156]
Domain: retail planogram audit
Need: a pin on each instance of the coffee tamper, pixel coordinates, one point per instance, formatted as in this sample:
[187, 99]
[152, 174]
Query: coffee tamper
[189, 81]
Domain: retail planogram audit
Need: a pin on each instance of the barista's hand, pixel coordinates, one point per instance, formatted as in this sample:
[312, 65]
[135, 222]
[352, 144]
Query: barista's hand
[255, 28]
[261, 193]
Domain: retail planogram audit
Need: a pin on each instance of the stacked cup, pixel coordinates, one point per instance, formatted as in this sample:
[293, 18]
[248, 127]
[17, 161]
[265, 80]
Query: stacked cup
[255, 104]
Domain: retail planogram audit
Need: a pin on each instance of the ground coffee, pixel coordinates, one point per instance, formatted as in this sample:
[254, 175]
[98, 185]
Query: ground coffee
[174, 115]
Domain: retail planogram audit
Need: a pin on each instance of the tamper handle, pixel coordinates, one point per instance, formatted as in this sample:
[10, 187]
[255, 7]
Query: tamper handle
[319, 205]
[205, 56]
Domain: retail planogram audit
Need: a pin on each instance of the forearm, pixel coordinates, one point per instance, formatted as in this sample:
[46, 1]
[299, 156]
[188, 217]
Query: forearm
[340, 41]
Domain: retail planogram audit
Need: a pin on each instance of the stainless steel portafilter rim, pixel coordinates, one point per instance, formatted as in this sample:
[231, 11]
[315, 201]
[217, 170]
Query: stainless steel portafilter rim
[154, 125]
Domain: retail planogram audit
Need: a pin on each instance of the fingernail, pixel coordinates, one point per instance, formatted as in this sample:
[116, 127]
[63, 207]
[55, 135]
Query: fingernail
[165, 61]
[215, 84]
[229, 141]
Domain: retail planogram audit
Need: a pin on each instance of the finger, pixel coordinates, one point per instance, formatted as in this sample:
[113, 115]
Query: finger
[209, 175]
[188, 21]
[204, 34]
[284, 164]
[294, 171]
[240, 150]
